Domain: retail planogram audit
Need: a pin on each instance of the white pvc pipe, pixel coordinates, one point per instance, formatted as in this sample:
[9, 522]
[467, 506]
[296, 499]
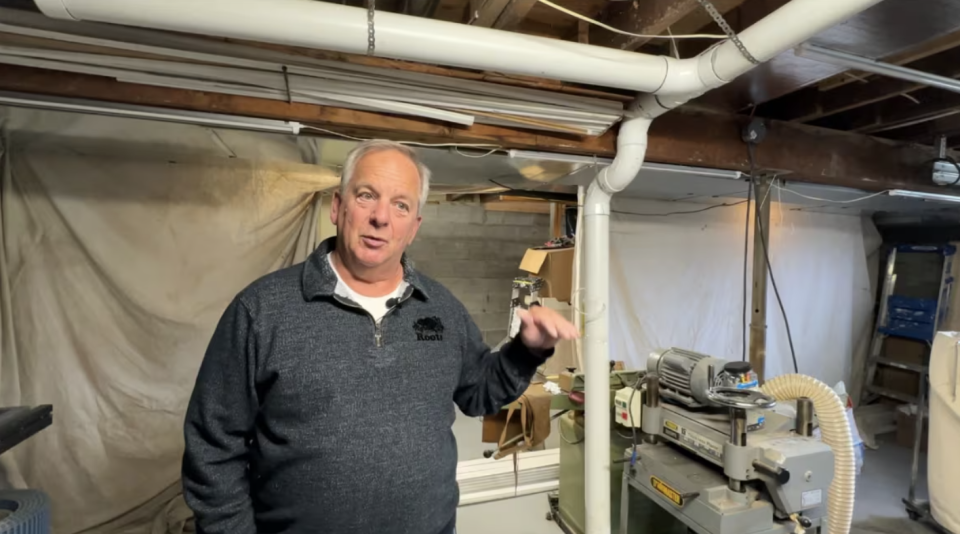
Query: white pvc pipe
[331, 26]
[631, 148]
[776, 33]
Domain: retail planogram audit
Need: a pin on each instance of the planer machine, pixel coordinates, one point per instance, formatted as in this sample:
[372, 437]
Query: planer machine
[712, 451]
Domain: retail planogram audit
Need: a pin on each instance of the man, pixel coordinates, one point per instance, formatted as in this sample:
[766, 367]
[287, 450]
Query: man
[325, 400]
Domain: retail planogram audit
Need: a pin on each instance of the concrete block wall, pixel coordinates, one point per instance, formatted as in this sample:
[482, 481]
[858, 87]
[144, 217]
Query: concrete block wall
[476, 254]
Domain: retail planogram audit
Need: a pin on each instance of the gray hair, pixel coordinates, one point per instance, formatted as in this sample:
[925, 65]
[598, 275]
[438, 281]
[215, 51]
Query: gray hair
[379, 145]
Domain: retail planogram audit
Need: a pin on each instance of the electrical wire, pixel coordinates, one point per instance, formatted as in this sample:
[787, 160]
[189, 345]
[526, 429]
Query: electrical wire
[808, 197]
[766, 259]
[746, 254]
[633, 429]
[708, 208]
[567, 441]
[621, 32]
[489, 153]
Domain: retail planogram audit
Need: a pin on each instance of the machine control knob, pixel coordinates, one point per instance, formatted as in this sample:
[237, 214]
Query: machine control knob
[737, 368]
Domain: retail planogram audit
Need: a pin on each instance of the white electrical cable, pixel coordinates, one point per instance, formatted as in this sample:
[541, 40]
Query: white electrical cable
[851, 201]
[835, 429]
[621, 32]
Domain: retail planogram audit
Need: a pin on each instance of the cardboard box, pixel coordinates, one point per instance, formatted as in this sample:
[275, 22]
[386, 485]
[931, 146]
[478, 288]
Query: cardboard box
[564, 354]
[555, 267]
[907, 428]
[904, 351]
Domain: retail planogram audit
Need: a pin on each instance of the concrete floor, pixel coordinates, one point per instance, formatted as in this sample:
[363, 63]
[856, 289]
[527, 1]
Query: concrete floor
[878, 507]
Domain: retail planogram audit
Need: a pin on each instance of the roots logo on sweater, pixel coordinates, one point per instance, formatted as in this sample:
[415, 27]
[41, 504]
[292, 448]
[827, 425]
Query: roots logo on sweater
[428, 329]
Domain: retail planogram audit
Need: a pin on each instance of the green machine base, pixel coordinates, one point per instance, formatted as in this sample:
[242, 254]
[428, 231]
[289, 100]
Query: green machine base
[645, 516]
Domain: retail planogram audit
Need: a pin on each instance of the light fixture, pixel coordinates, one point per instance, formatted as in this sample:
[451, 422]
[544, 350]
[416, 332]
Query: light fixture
[561, 158]
[933, 197]
[143, 112]
[843, 59]
[590, 160]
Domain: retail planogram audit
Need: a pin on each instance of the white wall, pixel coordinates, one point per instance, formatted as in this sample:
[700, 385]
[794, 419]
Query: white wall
[677, 281]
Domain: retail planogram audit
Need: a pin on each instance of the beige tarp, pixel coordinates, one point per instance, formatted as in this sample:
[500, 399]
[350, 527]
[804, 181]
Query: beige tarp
[122, 242]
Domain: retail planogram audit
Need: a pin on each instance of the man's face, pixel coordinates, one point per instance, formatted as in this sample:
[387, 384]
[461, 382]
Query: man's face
[378, 215]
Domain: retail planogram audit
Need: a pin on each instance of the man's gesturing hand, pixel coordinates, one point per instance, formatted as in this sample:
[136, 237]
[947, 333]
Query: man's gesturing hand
[541, 328]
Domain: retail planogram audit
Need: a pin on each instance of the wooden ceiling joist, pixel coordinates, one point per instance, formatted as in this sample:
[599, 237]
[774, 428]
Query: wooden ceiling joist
[682, 138]
[914, 54]
[650, 17]
[877, 32]
[929, 104]
[500, 14]
[655, 17]
[813, 103]
[927, 132]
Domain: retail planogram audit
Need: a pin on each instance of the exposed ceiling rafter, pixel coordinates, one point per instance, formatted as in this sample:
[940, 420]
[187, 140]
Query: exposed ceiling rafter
[682, 138]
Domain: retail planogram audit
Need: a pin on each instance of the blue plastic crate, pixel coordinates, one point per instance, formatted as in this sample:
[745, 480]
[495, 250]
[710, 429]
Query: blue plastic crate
[908, 314]
[910, 330]
[910, 303]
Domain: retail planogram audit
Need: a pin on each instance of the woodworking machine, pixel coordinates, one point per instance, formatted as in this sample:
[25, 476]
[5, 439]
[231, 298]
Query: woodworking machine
[715, 454]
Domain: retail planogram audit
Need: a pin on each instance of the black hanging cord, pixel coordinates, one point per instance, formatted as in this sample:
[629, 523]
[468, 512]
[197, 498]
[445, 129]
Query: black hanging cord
[766, 258]
[746, 255]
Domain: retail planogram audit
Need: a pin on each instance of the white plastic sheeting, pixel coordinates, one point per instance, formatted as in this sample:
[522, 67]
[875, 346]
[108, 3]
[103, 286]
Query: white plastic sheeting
[677, 281]
[943, 470]
[122, 243]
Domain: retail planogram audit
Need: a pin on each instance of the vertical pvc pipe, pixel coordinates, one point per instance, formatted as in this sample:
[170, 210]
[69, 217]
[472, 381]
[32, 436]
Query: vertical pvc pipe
[596, 355]
[631, 149]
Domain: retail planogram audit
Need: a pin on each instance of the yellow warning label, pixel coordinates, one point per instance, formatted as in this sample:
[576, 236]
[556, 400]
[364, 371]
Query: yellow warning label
[671, 425]
[668, 492]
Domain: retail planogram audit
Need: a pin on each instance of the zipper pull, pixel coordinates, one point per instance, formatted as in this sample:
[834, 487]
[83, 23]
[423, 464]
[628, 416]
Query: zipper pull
[378, 336]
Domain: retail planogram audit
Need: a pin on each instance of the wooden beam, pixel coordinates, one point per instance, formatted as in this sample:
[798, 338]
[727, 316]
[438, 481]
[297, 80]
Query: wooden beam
[699, 19]
[801, 152]
[513, 14]
[647, 17]
[514, 204]
[583, 32]
[812, 103]
[485, 12]
[452, 10]
[350, 122]
[682, 138]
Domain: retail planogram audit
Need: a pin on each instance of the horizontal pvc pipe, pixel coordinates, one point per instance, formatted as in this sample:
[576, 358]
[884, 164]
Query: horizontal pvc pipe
[785, 28]
[331, 26]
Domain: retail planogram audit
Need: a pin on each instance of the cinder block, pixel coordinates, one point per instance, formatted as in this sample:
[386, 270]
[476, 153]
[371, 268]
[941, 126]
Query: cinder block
[517, 219]
[460, 213]
[493, 337]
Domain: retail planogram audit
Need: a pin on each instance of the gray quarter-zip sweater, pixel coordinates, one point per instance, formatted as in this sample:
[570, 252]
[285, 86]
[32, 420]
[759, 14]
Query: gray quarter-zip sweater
[308, 417]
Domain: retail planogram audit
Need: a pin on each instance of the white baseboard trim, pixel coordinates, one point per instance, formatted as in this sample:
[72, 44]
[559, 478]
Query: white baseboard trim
[490, 480]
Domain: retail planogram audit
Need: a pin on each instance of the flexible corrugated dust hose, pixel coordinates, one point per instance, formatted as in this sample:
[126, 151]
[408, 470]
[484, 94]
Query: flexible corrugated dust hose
[835, 430]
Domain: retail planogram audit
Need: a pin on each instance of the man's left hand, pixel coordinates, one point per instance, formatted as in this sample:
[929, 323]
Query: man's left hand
[542, 328]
